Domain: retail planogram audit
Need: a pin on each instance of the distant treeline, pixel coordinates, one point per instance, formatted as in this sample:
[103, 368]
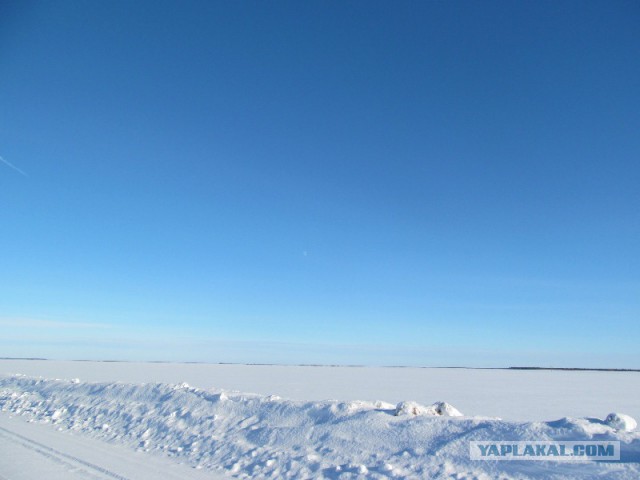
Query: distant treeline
[578, 369]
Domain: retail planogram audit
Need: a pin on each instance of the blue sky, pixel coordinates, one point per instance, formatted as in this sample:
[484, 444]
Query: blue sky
[417, 183]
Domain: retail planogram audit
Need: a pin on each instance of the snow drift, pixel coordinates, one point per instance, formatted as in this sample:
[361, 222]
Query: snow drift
[254, 436]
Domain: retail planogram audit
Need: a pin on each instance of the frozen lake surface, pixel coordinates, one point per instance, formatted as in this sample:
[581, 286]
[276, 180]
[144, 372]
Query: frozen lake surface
[508, 394]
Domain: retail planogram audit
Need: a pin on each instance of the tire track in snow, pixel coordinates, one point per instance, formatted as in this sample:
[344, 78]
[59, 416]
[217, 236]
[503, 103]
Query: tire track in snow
[61, 458]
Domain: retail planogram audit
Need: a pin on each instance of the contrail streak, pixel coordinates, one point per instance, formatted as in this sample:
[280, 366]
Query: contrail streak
[11, 165]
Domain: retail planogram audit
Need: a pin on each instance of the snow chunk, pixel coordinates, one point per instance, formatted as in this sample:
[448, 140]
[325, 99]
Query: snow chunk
[446, 410]
[410, 409]
[57, 415]
[441, 409]
[221, 397]
[380, 405]
[620, 421]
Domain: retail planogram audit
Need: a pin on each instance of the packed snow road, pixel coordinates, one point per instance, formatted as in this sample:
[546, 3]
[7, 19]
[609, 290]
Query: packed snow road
[30, 451]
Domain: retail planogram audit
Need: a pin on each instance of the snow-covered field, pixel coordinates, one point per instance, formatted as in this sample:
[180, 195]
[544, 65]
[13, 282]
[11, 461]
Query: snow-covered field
[199, 421]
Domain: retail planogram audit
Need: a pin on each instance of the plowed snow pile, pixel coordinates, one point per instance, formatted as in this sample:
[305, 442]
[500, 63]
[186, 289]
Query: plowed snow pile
[252, 436]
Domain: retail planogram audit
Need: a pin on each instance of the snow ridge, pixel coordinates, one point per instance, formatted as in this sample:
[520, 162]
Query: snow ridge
[255, 436]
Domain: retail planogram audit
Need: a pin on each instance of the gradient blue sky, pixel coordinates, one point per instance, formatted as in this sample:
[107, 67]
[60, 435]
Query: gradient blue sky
[419, 183]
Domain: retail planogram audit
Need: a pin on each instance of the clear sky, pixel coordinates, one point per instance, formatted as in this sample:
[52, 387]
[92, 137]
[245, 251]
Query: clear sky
[406, 183]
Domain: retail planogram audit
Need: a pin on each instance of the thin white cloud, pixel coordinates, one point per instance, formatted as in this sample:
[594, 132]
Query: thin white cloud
[37, 323]
[11, 165]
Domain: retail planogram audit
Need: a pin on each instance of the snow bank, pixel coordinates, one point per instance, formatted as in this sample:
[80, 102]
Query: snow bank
[254, 436]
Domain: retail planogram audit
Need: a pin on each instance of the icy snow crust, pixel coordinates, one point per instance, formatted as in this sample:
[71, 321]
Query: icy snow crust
[255, 436]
